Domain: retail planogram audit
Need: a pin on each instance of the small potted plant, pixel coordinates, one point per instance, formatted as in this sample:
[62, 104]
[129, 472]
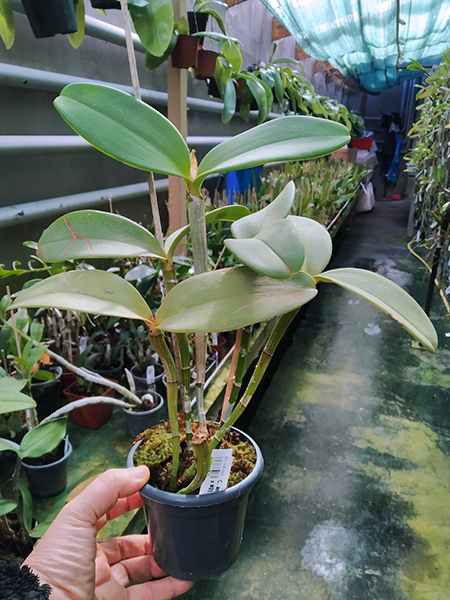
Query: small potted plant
[51, 17]
[282, 260]
[146, 370]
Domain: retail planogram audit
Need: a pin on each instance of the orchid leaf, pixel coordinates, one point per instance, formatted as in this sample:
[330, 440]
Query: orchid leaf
[276, 250]
[249, 227]
[317, 242]
[389, 298]
[124, 128]
[27, 506]
[76, 39]
[11, 397]
[43, 438]
[232, 212]
[88, 234]
[229, 299]
[153, 21]
[7, 445]
[286, 138]
[7, 25]
[92, 291]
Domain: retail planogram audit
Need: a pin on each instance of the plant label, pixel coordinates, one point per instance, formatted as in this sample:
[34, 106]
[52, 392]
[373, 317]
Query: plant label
[150, 375]
[219, 471]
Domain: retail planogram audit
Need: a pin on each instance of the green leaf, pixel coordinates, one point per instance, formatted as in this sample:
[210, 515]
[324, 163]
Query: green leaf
[317, 243]
[7, 445]
[232, 212]
[388, 297]
[77, 38]
[232, 54]
[215, 15]
[27, 506]
[249, 227]
[286, 138]
[258, 91]
[229, 101]
[125, 128]
[153, 62]
[7, 26]
[36, 331]
[43, 439]
[276, 250]
[42, 375]
[229, 299]
[11, 398]
[96, 292]
[40, 529]
[88, 234]
[153, 21]
[7, 506]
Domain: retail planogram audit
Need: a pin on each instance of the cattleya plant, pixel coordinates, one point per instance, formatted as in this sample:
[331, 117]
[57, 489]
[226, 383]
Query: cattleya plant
[283, 257]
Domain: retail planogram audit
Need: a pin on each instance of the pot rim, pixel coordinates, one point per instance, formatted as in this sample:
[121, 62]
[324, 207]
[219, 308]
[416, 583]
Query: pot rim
[67, 452]
[188, 501]
[58, 374]
[157, 377]
[145, 412]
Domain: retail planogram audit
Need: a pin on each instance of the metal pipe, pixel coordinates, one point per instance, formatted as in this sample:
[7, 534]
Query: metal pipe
[31, 211]
[20, 145]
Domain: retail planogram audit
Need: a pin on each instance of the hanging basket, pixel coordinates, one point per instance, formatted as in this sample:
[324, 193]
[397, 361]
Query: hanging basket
[206, 64]
[49, 17]
[185, 53]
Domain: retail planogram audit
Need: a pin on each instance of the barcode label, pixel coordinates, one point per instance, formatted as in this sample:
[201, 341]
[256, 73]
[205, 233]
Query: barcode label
[150, 375]
[219, 472]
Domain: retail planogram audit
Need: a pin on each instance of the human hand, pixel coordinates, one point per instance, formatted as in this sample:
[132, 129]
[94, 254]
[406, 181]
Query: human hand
[77, 567]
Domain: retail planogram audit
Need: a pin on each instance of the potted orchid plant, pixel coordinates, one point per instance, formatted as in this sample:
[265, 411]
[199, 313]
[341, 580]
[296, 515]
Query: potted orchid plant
[196, 522]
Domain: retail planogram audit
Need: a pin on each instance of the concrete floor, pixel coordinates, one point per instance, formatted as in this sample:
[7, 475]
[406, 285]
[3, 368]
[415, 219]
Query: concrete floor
[354, 503]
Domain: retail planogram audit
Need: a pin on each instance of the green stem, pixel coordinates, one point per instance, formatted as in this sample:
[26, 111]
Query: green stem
[264, 360]
[240, 371]
[159, 344]
[203, 462]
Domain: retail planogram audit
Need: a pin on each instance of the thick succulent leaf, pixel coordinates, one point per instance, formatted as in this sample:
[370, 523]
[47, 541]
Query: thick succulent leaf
[286, 138]
[388, 297]
[11, 398]
[7, 26]
[96, 292]
[276, 251]
[87, 234]
[7, 506]
[317, 242]
[153, 62]
[125, 128]
[248, 227]
[7, 445]
[153, 21]
[229, 299]
[233, 212]
[43, 438]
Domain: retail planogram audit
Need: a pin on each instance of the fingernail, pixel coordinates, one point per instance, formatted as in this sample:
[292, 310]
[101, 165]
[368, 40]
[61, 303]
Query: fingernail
[141, 473]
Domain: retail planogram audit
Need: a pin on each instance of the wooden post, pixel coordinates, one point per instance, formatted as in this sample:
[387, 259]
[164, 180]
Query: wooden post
[177, 114]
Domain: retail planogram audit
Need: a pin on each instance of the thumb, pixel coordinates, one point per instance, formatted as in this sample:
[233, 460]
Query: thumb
[102, 494]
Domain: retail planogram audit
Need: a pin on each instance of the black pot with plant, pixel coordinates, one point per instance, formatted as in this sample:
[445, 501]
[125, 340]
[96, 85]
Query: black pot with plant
[47, 475]
[197, 23]
[104, 355]
[47, 394]
[144, 416]
[51, 17]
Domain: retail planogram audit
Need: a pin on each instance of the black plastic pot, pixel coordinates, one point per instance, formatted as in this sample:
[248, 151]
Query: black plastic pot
[198, 536]
[48, 480]
[49, 17]
[115, 373]
[46, 394]
[213, 88]
[157, 385]
[105, 4]
[197, 22]
[138, 421]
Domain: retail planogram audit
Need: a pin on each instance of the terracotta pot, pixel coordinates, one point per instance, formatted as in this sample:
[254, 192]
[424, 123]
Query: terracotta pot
[185, 53]
[206, 64]
[93, 416]
[239, 88]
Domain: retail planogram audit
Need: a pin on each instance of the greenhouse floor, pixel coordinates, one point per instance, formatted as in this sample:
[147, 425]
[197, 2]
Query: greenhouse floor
[354, 503]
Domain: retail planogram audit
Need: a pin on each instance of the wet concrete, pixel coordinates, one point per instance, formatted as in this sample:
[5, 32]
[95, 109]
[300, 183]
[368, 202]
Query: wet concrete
[354, 503]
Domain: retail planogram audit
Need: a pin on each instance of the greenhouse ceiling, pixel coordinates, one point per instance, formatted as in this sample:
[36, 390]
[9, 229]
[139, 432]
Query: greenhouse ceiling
[371, 41]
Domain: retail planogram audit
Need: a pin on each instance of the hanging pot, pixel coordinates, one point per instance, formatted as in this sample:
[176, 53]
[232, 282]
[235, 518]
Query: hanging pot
[94, 415]
[50, 17]
[206, 64]
[46, 394]
[210, 526]
[137, 421]
[105, 4]
[197, 22]
[185, 53]
[142, 383]
[50, 479]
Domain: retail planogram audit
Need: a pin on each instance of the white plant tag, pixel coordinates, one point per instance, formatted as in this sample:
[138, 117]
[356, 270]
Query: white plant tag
[83, 343]
[150, 375]
[215, 339]
[219, 471]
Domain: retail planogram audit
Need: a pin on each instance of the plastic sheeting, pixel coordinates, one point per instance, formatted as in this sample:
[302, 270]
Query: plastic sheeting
[368, 40]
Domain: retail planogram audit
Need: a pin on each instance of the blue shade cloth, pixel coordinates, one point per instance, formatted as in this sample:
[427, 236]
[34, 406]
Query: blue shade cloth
[368, 39]
[238, 182]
